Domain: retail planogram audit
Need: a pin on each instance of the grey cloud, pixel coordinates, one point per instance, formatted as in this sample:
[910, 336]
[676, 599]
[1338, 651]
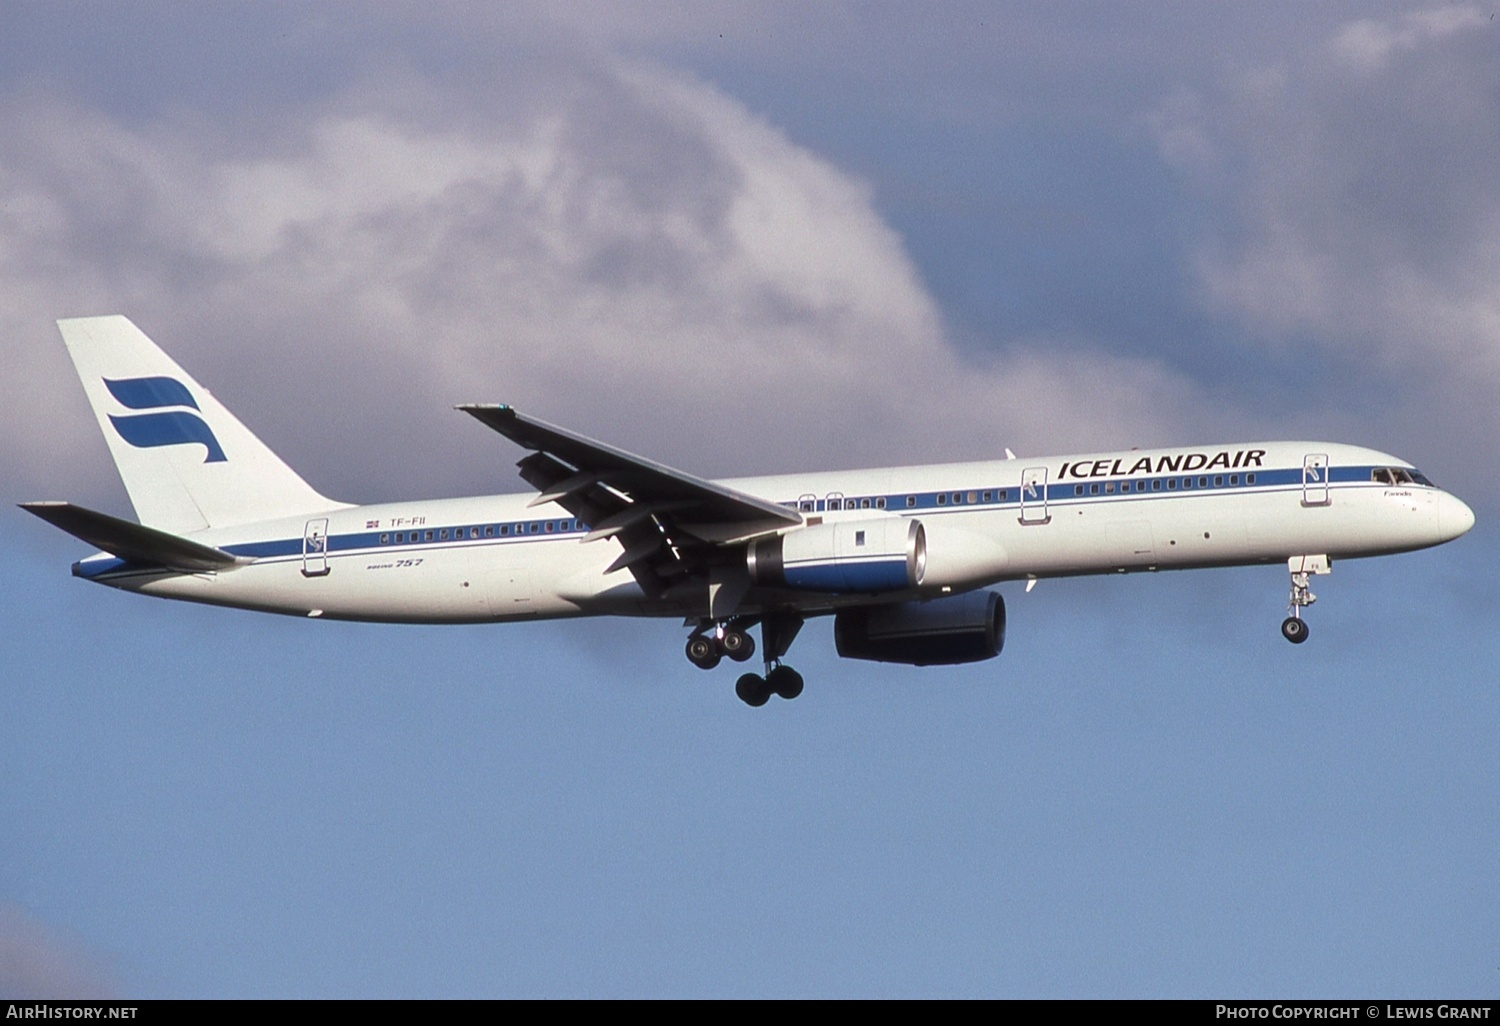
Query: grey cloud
[1366, 212]
[625, 250]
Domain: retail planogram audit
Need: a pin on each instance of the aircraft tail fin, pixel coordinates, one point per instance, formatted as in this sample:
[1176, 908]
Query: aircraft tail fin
[187, 462]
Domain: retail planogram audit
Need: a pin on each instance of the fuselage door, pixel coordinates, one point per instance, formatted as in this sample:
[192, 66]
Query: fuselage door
[1034, 496]
[315, 548]
[1315, 480]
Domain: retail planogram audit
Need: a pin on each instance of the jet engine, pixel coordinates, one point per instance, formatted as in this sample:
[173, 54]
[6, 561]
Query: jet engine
[864, 556]
[938, 632]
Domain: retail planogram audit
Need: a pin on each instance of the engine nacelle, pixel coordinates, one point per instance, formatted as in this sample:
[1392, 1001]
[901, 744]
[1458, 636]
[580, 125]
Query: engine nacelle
[864, 556]
[939, 632]
[961, 559]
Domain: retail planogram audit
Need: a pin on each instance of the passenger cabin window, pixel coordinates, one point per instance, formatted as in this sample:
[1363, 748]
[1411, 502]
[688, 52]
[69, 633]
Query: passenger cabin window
[911, 501]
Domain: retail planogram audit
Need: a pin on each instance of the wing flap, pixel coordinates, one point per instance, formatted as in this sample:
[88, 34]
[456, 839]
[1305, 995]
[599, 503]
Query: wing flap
[666, 522]
[132, 542]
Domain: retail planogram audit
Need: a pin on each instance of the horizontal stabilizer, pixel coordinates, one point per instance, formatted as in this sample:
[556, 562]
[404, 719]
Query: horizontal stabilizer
[133, 542]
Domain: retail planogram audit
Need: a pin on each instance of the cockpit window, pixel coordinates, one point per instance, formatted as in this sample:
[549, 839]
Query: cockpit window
[1399, 477]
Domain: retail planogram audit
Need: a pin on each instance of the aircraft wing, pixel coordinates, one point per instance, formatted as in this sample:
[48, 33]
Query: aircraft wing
[665, 519]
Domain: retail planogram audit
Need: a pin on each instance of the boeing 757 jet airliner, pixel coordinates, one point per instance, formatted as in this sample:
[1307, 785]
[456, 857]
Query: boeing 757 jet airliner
[900, 557]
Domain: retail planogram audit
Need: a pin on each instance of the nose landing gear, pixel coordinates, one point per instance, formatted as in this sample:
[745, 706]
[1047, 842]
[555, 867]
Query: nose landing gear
[1293, 628]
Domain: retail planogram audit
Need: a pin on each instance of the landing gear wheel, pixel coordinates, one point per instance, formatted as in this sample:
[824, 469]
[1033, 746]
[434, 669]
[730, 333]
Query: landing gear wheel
[785, 681]
[1294, 630]
[737, 645]
[752, 690]
[702, 652]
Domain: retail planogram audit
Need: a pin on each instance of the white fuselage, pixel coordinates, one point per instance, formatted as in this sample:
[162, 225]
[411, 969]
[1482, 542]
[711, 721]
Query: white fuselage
[497, 558]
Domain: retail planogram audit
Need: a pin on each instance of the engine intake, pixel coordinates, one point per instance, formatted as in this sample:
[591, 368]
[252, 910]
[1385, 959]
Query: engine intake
[864, 556]
[940, 632]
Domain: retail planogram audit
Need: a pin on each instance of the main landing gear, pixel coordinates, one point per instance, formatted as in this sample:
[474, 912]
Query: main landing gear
[1293, 628]
[706, 648]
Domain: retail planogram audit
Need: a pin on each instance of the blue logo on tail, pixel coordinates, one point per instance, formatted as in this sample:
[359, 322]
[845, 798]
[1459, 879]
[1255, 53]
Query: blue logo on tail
[174, 427]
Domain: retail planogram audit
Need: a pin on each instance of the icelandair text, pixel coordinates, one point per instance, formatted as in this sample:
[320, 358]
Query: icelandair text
[1185, 462]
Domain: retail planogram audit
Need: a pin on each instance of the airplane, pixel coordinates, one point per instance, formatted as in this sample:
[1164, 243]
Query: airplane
[904, 559]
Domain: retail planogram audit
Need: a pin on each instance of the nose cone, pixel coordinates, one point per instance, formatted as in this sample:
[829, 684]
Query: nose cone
[1454, 517]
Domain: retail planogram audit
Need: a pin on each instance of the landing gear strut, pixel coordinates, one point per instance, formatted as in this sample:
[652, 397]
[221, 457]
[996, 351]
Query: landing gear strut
[777, 630]
[1293, 628]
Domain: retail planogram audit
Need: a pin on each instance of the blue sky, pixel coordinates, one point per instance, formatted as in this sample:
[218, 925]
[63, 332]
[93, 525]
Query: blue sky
[745, 238]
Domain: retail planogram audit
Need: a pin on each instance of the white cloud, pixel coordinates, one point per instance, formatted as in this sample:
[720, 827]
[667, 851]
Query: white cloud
[626, 251]
[1370, 44]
